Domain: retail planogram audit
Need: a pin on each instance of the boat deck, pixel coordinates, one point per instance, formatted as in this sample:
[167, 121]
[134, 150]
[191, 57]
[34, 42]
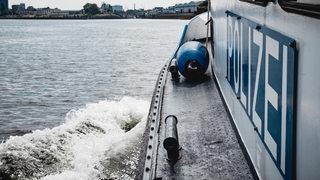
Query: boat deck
[210, 148]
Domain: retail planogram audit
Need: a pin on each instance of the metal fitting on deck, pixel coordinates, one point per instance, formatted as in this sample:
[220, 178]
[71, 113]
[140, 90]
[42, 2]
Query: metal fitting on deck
[173, 68]
[171, 142]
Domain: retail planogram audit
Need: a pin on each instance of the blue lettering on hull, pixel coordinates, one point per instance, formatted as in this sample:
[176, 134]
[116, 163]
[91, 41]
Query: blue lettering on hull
[261, 72]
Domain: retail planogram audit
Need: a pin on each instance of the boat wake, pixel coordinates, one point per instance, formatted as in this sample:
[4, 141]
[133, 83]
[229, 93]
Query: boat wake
[99, 141]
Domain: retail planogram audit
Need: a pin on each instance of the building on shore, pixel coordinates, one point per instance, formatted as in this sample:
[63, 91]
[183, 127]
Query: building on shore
[105, 8]
[117, 8]
[190, 7]
[4, 8]
[157, 10]
[169, 10]
[49, 11]
[30, 11]
[18, 8]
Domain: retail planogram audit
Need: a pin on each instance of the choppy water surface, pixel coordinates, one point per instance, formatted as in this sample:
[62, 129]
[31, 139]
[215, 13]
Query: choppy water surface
[78, 86]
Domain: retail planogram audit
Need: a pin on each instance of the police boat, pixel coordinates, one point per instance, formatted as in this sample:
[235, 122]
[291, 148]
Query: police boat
[239, 97]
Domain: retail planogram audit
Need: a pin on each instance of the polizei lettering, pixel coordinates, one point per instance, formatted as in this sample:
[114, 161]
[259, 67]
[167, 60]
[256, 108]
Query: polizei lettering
[260, 70]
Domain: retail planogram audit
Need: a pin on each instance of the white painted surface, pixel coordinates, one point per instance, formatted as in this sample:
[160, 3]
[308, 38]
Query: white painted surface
[306, 32]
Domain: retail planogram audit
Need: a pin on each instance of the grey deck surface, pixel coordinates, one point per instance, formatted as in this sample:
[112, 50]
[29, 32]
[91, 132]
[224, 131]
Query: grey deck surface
[210, 149]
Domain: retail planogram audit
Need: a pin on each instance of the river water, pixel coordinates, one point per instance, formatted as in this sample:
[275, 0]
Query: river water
[74, 87]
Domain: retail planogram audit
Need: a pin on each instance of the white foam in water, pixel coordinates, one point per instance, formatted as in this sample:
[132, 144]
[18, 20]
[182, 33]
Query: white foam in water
[91, 144]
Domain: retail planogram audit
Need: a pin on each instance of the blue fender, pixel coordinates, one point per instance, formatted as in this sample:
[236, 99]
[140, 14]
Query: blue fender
[192, 59]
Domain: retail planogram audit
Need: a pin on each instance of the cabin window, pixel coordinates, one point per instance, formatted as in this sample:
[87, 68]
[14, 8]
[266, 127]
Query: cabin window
[258, 2]
[304, 7]
[309, 8]
[305, 1]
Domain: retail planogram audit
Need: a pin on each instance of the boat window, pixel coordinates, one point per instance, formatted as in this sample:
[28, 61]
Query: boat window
[305, 1]
[304, 7]
[259, 2]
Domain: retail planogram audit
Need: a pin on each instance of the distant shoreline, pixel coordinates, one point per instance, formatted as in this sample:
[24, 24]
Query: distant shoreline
[99, 16]
[80, 16]
[174, 16]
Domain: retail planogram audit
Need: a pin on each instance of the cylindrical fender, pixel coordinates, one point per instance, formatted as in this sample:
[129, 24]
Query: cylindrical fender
[192, 59]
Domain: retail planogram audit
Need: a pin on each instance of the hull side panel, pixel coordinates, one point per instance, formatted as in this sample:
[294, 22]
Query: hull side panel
[306, 138]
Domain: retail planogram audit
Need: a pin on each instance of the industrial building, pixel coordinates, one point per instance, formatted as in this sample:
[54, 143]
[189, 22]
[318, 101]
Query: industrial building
[3, 6]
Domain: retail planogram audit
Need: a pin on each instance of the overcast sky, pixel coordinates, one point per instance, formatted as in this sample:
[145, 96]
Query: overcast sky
[78, 4]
